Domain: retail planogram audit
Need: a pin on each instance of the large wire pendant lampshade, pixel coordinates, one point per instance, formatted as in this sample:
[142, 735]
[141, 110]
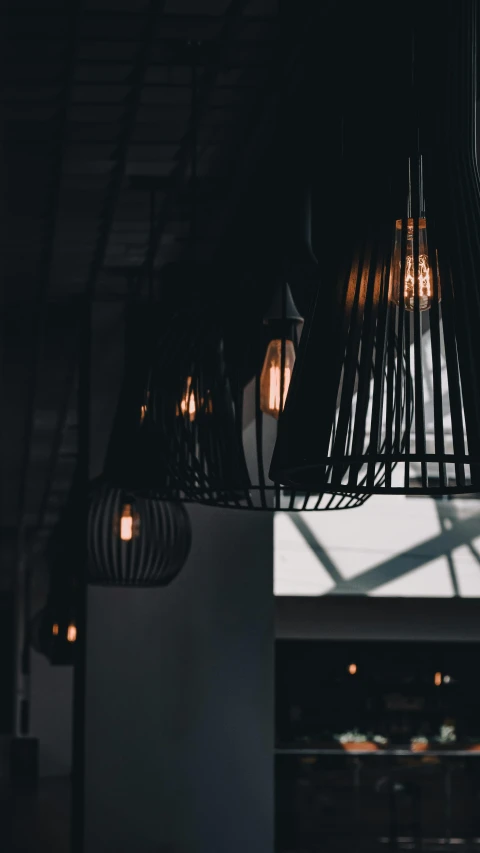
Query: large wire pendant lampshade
[401, 287]
[217, 399]
[226, 419]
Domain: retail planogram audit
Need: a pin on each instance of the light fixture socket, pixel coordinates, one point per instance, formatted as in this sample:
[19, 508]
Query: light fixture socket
[282, 308]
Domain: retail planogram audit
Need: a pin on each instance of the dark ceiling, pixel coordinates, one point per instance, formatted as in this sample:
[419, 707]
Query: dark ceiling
[95, 110]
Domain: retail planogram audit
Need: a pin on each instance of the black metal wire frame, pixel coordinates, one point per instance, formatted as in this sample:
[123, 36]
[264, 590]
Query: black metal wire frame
[411, 277]
[135, 458]
[217, 441]
[153, 558]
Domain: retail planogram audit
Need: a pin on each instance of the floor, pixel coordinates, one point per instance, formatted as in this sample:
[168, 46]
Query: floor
[38, 822]
[35, 822]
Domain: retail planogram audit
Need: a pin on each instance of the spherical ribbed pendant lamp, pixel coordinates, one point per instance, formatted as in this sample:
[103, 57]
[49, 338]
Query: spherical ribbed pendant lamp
[401, 281]
[133, 541]
[224, 429]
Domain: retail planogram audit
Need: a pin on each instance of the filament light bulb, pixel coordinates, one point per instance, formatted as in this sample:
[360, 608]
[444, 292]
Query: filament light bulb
[272, 395]
[129, 524]
[188, 406]
[416, 282]
[72, 632]
[55, 629]
[144, 408]
[437, 679]
[352, 669]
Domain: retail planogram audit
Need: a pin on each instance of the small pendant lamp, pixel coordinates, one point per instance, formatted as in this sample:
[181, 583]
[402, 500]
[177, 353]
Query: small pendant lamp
[227, 389]
[401, 288]
[220, 442]
[133, 541]
[225, 429]
[135, 458]
[53, 629]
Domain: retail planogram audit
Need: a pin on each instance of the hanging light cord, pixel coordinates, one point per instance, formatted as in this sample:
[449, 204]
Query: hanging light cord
[414, 92]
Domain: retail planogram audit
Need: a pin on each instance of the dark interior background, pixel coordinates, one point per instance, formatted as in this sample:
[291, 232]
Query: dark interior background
[392, 692]
[6, 662]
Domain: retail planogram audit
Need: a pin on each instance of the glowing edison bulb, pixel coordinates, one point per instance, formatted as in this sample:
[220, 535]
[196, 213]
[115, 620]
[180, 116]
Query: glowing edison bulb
[72, 632]
[55, 629]
[188, 404]
[144, 408]
[272, 400]
[352, 669]
[129, 524]
[437, 679]
[424, 273]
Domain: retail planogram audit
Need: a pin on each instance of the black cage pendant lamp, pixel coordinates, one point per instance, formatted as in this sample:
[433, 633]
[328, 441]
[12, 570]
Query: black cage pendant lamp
[227, 389]
[135, 458]
[227, 395]
[133, 541]
[401, 288]
[227, 415]
[54, 629]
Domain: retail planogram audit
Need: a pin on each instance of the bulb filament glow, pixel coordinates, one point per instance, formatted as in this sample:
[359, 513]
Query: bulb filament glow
[276, 385]
[424, 282]
[72, 633]
[126, 524]
[187, 404]
[277, 371]
[55, 629]
[416, 282]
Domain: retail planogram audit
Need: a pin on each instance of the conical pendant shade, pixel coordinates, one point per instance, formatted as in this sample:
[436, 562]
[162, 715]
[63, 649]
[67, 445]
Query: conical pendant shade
[226, 421]
[401, 287]
[135, 459]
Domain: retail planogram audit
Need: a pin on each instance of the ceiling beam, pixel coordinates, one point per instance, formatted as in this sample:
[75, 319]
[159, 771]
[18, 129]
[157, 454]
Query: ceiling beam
[41, 312]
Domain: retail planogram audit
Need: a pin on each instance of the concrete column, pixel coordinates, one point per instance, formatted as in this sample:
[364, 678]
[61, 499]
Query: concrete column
[179, 701]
